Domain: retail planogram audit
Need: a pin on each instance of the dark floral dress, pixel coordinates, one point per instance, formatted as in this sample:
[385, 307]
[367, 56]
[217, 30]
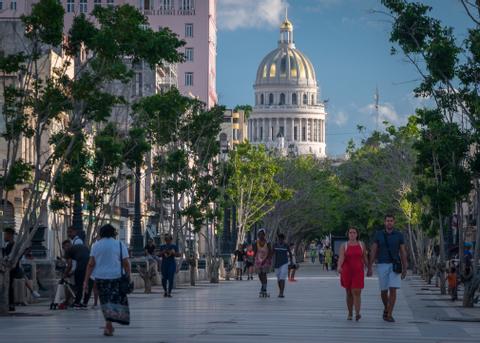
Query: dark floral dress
[114, 303]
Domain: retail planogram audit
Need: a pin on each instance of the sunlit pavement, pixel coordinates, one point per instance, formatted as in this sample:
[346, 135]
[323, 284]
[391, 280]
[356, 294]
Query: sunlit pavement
[312, 311]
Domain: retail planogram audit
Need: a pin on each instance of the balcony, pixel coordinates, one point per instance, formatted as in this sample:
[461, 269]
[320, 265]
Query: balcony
[166, 11]
[186, 11]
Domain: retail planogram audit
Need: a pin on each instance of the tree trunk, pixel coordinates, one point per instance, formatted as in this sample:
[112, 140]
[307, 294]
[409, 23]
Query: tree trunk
[412, 250]
[4, 286]
[441, 263]
[461, 236]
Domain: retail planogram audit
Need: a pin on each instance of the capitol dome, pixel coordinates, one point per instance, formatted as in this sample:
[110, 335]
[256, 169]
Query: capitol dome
[287, 115]
[286, 64]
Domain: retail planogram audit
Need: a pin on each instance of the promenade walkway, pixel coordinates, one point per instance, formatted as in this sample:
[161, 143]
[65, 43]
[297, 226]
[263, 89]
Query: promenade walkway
[231, 312]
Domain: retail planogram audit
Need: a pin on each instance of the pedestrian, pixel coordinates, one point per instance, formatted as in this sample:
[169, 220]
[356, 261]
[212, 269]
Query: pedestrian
[250, 261]
[16, 271]
[351, 265]
[328, 255]
[282, 255]
[73, 235]
[452, 279]
[108, 262]
[263, 260]
[239, 262]
[313, 254]
[293, 266]
[389, 250]
[319, 251]
[168, 252]
[81, 255]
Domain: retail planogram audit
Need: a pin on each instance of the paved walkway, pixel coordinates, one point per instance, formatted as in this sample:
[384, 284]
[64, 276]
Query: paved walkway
[313, 311]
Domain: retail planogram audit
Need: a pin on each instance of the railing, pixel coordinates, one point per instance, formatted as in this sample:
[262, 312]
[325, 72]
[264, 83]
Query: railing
[186, 11]
[166, 11]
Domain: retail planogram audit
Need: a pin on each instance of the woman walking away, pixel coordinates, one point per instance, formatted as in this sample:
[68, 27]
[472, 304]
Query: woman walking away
[108, 261]
[293, 266]
[263, 260]
[250, 261]
[351, 265]
[328, 258]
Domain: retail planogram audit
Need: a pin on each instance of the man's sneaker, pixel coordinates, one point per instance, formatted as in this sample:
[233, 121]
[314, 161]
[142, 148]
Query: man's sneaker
[35, 294]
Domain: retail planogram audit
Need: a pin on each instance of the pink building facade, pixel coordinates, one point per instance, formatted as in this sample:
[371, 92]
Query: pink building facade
[194, 21]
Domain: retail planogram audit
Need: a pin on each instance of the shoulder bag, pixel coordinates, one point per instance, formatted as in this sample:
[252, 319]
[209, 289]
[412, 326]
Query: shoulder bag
[126, 285]
[396, 264]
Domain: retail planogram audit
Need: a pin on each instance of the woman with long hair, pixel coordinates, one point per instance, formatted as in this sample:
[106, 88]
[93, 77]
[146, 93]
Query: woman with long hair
[351, 266]
[108, 261]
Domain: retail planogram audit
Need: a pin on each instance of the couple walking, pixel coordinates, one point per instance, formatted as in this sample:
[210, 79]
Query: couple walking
[388, 249]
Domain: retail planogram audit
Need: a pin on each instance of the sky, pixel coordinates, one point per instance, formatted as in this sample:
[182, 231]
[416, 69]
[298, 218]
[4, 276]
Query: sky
[348, 44]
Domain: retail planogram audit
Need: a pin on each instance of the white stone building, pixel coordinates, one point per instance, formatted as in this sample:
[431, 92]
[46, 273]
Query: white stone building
[287, 115]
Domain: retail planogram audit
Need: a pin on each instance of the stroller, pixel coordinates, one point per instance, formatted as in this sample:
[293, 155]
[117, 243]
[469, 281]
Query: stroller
[64, 291]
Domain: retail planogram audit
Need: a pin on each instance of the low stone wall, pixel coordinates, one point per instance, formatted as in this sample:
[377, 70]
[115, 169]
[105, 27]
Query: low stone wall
[182, 277]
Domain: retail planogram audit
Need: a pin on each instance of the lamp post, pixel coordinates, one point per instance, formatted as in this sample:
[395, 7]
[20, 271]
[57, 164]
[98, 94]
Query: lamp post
[136, 241]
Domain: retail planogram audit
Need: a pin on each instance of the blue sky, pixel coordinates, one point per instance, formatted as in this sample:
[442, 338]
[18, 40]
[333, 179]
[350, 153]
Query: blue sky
[348, 45]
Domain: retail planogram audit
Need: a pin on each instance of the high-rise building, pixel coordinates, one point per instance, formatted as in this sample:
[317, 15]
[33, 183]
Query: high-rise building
[194, 21]
[287, 115]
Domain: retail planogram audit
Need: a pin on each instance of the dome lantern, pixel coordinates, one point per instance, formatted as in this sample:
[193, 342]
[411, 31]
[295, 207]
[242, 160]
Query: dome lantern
[286, 31]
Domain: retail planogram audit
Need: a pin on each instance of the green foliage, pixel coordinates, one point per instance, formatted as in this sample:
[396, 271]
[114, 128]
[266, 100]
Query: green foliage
[45, 22]
[246, 108]
[19, 173]
[252, 186]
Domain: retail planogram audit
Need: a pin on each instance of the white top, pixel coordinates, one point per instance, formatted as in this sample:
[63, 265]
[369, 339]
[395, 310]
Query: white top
[106, 252]
[77, 240]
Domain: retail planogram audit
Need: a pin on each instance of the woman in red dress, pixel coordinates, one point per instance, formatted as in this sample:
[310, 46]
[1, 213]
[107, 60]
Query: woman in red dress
[351, 265]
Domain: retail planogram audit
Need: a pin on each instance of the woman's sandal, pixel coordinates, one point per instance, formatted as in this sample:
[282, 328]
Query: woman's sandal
[357, 317]
[349, 316]
[385, 315]
[107, 332]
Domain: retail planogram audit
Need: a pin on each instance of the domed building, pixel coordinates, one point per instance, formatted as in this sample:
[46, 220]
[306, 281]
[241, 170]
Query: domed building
[287, 115]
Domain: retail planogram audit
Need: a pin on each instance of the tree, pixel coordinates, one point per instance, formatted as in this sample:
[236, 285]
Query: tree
[448, 69]
[252, 186]
[62, 102]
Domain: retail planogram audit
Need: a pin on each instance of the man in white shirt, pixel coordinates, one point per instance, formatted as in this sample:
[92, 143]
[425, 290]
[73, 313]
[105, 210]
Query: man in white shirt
[73, 236]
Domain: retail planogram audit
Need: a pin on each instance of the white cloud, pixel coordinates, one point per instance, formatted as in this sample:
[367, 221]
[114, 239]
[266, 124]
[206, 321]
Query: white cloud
[238, 14]
[386, 112]
[339, 118]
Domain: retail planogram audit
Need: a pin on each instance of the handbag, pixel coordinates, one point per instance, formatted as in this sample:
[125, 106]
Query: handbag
[126, 285]
[396, 264]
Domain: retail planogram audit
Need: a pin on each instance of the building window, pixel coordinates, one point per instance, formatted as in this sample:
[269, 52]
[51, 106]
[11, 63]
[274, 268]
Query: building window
[261, 133]
[305, 99]
[294, 98]
[189, 79]
[295, 133]
[187, 4]
[304, 133]
[138, 84]
[110, 3]
[281, 131]
[70, 6]
[282, 99]
[83, 6]
[270, 99]
[187, 7]
[13, 5]
[189, 54]
[313, 99]
[97, 3]
[166, 7]
[188, 30]
[1, 5]
[262, 99]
